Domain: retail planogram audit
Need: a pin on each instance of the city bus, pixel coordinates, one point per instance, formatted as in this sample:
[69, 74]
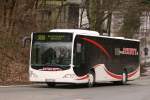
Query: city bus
[82, 57]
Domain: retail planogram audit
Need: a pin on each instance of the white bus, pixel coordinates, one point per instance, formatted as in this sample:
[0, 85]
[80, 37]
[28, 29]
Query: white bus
[82, 56]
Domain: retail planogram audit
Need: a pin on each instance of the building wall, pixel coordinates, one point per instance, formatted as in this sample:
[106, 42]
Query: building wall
[58, 14]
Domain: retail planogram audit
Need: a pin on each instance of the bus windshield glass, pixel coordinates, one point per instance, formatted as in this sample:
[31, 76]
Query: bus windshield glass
[51, 49]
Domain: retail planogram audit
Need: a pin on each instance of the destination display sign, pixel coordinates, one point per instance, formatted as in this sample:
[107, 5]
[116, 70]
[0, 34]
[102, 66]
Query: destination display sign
[52, 37]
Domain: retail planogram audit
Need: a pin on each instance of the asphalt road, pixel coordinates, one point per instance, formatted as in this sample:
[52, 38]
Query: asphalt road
[135, 90]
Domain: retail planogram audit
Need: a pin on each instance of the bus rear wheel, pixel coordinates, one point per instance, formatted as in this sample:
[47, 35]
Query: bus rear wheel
[49, 84]
[91, 79]
[124, 78]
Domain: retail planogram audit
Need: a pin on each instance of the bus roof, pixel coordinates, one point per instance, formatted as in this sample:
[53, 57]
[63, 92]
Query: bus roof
[77, 31]
[89, 33]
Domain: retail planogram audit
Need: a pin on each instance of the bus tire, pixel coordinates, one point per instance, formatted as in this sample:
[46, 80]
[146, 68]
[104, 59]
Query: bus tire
[49, 84]
[124, 78]
[91, 79]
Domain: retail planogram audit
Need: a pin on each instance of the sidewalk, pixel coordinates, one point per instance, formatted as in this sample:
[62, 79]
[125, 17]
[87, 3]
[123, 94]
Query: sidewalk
[145, 77]
[146, 74]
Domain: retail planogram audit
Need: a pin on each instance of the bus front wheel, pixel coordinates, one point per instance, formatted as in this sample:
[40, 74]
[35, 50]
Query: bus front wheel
[91, 79]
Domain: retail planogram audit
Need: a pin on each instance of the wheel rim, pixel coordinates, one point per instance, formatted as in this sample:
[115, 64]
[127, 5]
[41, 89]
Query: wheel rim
[91, 80]
[124, 78]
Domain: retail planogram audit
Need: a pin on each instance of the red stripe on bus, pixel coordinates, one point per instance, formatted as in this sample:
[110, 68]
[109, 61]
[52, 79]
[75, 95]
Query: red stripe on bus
[113, 75]
[98, 45]
[120, 76]
[133, 73]
[83, 77]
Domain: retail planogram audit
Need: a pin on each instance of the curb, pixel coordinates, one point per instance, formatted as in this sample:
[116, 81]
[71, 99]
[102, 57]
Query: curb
[3, 86]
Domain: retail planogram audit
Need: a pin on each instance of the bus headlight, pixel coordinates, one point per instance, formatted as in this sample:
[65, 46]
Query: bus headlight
[32, 74]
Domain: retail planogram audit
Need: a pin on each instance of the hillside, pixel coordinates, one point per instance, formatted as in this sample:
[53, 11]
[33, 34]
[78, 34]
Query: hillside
[17, 19]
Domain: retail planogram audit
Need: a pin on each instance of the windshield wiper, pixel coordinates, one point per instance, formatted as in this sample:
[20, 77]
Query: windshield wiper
[36, 65]
[51, 65]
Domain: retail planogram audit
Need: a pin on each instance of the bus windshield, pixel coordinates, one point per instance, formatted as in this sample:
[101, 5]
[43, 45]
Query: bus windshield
[52, 50]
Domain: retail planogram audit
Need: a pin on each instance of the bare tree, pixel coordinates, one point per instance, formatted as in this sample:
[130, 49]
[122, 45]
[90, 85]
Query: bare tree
[17, 19]
[98, 11]
[131, 21]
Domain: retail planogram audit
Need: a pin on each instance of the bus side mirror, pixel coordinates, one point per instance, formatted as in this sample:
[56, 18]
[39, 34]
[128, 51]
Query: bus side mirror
[25, 40]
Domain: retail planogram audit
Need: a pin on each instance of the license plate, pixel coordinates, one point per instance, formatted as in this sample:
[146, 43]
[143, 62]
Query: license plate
[49, 80]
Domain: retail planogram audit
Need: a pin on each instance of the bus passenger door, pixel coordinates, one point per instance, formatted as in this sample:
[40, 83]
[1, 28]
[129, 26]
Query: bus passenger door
[79, 59]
